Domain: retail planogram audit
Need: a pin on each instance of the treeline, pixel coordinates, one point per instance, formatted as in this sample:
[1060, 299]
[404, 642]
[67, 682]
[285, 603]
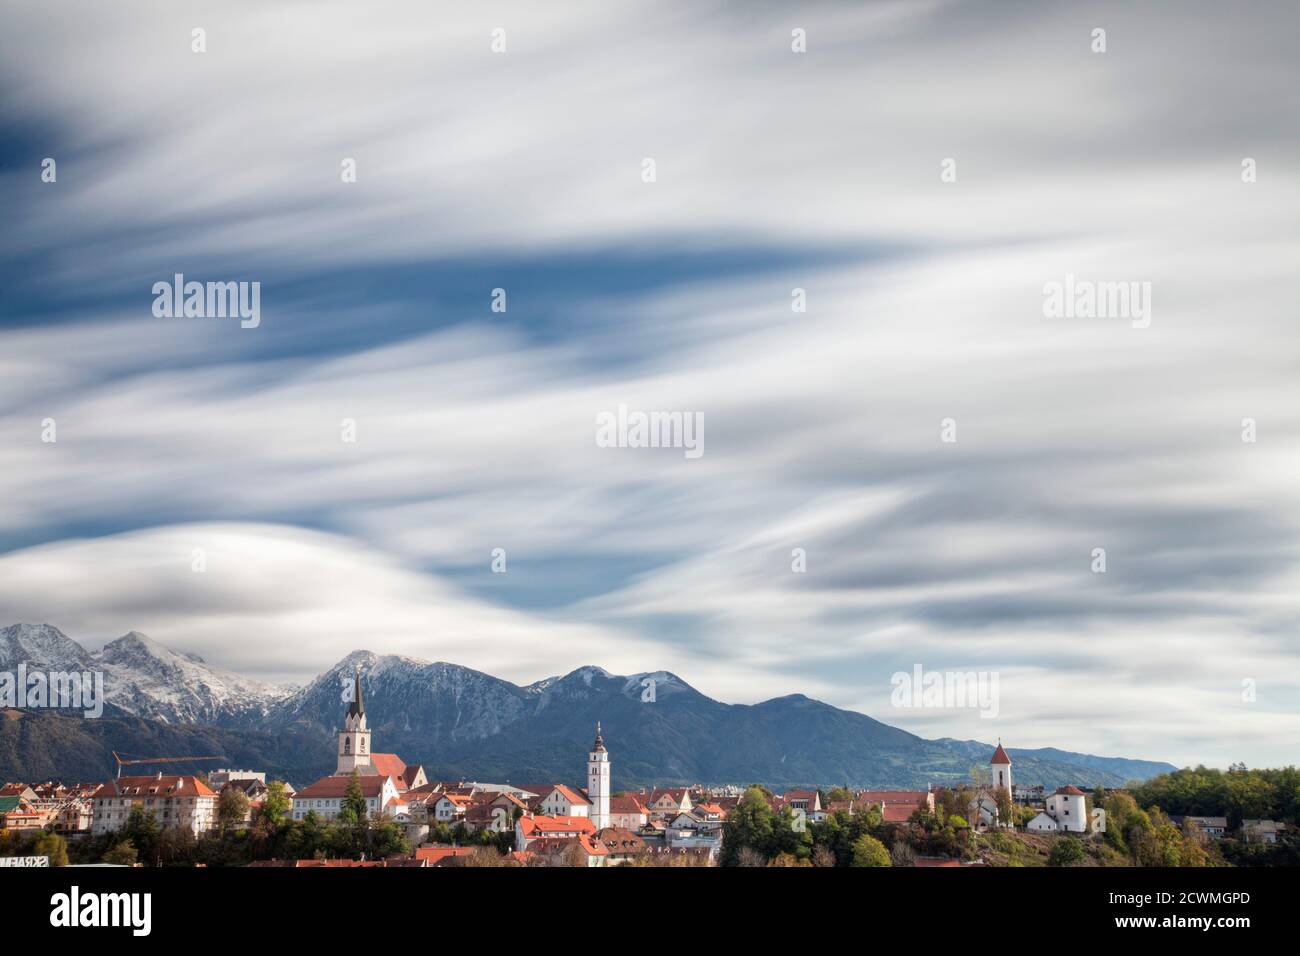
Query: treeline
[1237, 793]
[756, 835]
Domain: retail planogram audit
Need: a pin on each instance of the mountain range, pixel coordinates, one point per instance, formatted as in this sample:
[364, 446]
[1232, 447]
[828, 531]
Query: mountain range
[464, 724]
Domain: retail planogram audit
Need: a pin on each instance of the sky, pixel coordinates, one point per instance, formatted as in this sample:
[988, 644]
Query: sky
[923, 171]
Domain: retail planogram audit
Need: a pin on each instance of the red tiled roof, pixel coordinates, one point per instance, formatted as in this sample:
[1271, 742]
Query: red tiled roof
[391, 765]
[337, 786]
[899, 814]
[175, 786]
[542, 826]
[887, 797]
[1071, 790]
[434, 855]
[1000, 755]
[626, 804]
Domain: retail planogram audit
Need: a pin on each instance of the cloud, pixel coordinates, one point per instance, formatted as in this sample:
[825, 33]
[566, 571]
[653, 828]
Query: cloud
[776, 171]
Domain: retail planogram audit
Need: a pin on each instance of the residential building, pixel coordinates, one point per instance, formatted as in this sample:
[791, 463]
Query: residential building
[176, 801]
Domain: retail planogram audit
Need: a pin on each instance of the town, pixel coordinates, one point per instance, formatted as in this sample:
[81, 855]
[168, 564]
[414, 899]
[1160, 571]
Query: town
[376, 810]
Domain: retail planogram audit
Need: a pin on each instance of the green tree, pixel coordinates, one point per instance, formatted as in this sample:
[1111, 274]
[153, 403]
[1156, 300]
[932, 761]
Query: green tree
[353, 809]
[232, 808]
[121, 854]
[53, 846]
[142, 830]
[276, 804]
[749, 826]
[1067, 850]
[868, 851]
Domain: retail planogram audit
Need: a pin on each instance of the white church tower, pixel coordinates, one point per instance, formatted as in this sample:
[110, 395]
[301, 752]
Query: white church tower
[598, 782]
[354, 738]
[1001, 767]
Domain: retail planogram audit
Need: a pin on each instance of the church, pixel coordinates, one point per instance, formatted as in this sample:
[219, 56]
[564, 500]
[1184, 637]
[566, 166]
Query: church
[354, 751]
[385, 777]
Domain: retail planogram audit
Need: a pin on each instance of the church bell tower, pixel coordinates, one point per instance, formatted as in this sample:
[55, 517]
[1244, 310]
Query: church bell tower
[598, 782]
[354, 738]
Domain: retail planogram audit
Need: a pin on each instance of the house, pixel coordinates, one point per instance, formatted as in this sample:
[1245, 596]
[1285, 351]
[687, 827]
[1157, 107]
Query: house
[1212, 827]
[584, 847]
[449, 808]
[666, 803]
[805, 800]
[17, 814]
[896, 806]
[556, 800]
[1028, 796]
[325, 796]
[627, 812]
[621, 845]
[695, 829]
[1261, 831]
[530, 829]
[440, 855]
[1066, 811]
[177, 801]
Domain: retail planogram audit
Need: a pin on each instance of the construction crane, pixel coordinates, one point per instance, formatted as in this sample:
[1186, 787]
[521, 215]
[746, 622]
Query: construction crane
[122, 763]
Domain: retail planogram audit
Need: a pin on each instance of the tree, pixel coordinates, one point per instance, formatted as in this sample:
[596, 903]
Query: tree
[141, 830]
[750, 826]
[353, 809]
[868, 851]
[232, 808]
[1067, 850]
[307, 837]
[53, 846]
[275, 805]
[121, 854]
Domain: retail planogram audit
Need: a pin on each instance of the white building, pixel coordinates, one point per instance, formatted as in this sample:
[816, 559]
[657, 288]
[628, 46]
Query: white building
[354, 738]
[598, 782]
[184, 802]
[1001, 767]
[1067, 811]
[325, 797]
[384, 777]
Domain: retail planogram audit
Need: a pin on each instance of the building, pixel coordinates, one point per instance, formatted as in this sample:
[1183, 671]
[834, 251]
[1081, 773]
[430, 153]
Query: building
[1066, 811]
[355, 753]
[219, 778]
[627, 812]
[1212, 827]
[325, 797]
[666, 803]
[1001, 767]
[1028, 796]
[185, 802]
[1261, 831]
[894, 803]
[598, 782]
[528, 830]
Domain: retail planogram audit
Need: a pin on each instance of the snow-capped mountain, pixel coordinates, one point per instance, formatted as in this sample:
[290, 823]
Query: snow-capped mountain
[460, 722]
[143, 677]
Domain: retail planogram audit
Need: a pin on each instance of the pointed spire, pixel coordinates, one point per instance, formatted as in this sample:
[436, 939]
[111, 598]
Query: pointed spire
[358, 706]
[1000, 755]
[599, 745]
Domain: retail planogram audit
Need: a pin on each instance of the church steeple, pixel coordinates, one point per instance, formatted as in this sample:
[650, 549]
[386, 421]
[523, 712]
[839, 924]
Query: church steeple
[598, 782]
[354, 738]
[358, 706]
